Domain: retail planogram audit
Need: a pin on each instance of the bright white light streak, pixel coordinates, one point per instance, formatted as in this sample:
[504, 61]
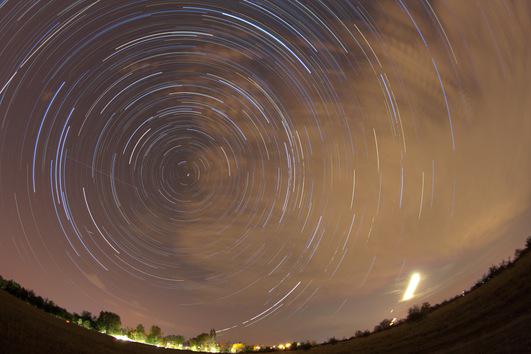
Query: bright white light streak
[414, 281]
[353, 189]
[134, 148]
[421, 196]
[273, 306]
[226, 158]
[377, 152]
[94, 222]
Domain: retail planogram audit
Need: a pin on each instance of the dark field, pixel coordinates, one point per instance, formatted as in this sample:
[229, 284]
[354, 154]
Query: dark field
[495, 318]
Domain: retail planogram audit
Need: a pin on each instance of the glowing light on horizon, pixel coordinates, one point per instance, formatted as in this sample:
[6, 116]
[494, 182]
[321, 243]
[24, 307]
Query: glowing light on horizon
[122, 337]
[414, 281]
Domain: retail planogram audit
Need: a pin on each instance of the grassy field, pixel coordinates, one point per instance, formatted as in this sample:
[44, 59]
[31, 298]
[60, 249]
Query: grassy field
[495, 318]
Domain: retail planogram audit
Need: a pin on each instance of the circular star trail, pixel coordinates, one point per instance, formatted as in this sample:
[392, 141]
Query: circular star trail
[272, 169]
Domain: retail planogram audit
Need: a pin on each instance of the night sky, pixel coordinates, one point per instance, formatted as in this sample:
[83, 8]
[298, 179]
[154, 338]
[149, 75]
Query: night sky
[275, 170]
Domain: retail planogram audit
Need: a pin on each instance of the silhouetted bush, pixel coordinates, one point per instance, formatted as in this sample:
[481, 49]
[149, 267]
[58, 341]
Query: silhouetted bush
[305, 346]
[417, 312]
[386, 323]
[332, 341]
[360, 333]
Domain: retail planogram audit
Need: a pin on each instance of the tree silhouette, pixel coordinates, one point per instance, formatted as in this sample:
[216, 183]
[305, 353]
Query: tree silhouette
[417, 312]
[138, 334]
[174, 341]
[386, 323]
[108, 322]
[154, 335]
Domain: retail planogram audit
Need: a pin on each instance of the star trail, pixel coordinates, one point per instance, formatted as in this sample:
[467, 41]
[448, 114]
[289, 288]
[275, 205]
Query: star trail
[276, 170]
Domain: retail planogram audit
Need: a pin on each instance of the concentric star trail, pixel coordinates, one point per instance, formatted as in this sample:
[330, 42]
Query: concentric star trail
[275, 170]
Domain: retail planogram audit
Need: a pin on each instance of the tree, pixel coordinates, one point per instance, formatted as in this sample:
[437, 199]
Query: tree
[417, 312]
[174, 341]
[332, 341]
[108, 322]
[87, 320]
[360, 333]
[154, 335]
[87, 316]
[204, 340]
[305, 346]
[138, 334]
[192, 343]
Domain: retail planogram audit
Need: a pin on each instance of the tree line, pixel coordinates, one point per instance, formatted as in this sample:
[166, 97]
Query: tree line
[110, 323]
